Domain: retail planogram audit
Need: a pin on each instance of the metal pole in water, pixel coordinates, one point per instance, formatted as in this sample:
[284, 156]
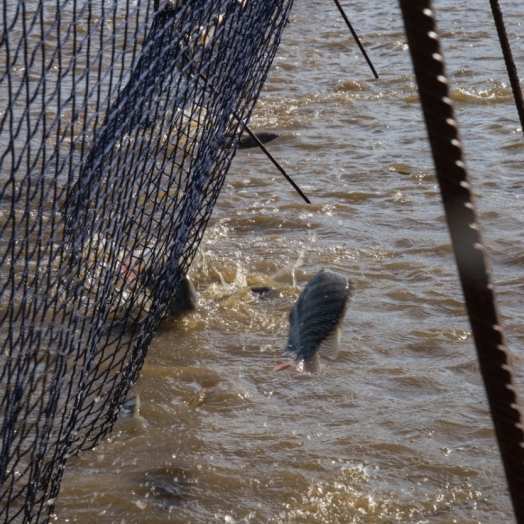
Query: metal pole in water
[470, 254]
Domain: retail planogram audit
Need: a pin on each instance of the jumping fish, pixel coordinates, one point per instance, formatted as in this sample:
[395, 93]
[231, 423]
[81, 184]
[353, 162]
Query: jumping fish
[315, 321]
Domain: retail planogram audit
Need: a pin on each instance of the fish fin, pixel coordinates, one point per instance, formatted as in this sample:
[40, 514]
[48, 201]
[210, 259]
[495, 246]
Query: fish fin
[330, 346]
[185, 299]
[310, 365]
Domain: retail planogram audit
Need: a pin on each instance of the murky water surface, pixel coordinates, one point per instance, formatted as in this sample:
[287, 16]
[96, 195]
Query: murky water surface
[397, 429]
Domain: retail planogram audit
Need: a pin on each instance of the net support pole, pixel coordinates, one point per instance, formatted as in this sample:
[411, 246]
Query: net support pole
[357, 39]
[508, 59]
[470, 254]
[255, 139]
[276, 164]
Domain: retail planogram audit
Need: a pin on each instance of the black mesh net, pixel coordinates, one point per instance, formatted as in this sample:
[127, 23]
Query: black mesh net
[118, 123]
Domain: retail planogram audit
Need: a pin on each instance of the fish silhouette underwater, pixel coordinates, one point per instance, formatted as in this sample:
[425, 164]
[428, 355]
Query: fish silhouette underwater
[315, 321]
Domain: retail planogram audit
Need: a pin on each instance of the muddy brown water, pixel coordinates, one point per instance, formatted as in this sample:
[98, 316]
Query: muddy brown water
[397, 429]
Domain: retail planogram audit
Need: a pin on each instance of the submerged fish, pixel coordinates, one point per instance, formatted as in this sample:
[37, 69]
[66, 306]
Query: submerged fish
[248, 142]
[264, 292]
[316, 319]
[130, 408]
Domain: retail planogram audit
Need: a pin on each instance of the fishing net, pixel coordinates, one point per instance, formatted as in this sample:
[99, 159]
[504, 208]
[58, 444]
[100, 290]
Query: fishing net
[118, 123]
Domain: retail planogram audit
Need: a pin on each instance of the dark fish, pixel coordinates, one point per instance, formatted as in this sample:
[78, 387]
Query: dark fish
[185, 299]
[247, 142]
[264, 291]
[316, 319]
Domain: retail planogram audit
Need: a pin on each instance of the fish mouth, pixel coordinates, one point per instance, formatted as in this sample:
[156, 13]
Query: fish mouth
[284, 365]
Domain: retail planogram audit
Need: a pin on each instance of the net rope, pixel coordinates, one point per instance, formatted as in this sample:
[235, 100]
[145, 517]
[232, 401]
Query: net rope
[118, 124]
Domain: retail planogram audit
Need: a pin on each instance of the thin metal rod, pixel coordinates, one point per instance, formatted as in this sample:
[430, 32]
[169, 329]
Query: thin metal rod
[508, 58]
[275, 163]
[355, 36]
[470, 253]
[261, 146]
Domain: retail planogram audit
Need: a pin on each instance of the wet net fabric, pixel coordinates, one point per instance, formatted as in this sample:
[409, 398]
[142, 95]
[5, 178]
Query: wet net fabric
[118, 123]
